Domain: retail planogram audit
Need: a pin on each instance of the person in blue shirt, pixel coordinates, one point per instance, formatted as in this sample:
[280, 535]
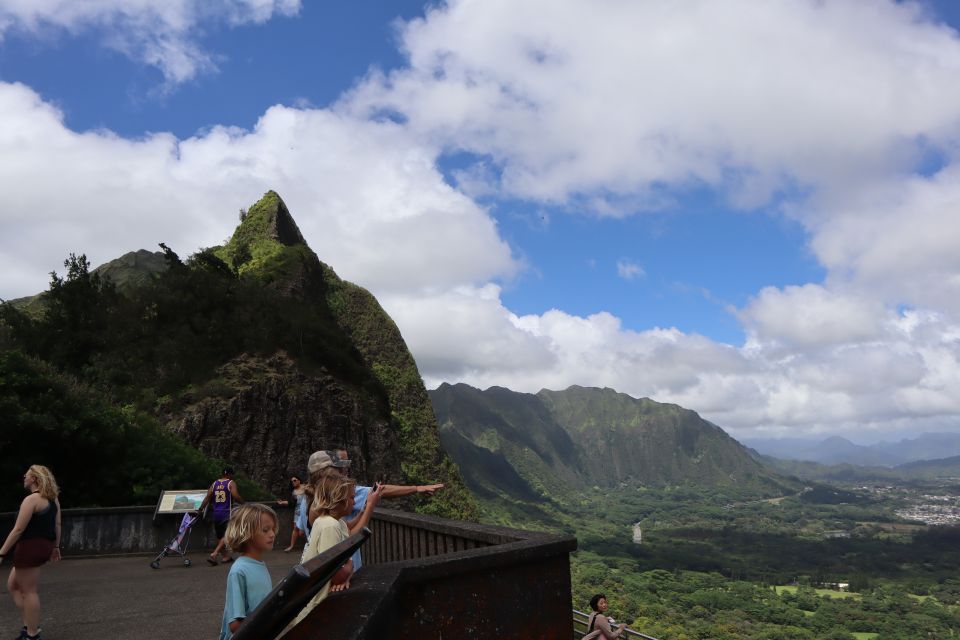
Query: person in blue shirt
[251, 532]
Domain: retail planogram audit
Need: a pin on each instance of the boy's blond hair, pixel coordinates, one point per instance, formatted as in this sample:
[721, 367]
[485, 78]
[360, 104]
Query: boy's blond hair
[329, 492]
[244, 522]
[46, 483]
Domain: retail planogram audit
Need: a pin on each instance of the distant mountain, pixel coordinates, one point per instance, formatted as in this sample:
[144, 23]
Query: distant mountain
[936, 468]
[921, 470]
[133, 269]
[927, 446]
[838, 450]
[548, 444]
[842, 472]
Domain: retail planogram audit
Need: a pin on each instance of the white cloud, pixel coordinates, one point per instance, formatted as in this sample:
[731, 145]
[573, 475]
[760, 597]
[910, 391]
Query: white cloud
[897, 240]
[367, 197]
[811, 315]
[615, 98]
[160, 33]
[629, 270]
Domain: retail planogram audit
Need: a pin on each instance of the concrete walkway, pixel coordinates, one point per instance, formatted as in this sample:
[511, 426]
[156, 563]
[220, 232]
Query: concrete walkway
[122, 597]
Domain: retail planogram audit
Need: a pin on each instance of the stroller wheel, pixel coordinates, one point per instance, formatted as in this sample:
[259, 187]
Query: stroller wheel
[155, 564]
[186, 562]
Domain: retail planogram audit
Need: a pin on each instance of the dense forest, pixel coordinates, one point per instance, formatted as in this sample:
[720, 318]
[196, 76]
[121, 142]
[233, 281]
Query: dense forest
[719, 564]
[93, 417]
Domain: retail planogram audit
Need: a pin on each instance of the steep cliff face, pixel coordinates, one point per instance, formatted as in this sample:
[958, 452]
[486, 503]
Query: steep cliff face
[628, 438]
[552, 443]
[382, 348]
[268, 416]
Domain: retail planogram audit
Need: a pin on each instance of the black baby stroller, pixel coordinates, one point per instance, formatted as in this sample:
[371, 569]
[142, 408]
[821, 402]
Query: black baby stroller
[178, 545]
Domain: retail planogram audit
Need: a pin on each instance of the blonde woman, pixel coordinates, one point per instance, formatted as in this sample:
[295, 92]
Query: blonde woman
[36, 534]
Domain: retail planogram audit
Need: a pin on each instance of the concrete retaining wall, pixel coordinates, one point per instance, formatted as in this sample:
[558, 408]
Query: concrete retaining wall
[124, 530]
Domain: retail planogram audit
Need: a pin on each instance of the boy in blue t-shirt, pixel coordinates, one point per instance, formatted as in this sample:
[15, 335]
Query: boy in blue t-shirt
[251, 531]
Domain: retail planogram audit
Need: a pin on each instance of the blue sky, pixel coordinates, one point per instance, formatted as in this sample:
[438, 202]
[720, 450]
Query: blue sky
[657, 198]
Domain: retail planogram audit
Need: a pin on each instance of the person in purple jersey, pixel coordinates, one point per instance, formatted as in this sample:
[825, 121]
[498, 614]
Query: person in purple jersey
[224, 496]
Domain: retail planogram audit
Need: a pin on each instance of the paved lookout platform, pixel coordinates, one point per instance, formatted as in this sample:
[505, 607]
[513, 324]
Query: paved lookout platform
[423, 577]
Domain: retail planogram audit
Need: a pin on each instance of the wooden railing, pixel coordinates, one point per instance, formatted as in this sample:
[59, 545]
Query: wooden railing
[428, 577]
[399, 536]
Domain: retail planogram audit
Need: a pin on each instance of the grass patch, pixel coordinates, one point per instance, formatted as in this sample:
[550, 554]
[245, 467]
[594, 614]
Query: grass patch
[823, 593]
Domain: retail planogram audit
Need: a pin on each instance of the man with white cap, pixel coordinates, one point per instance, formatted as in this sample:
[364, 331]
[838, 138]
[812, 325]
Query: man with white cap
[338, 460]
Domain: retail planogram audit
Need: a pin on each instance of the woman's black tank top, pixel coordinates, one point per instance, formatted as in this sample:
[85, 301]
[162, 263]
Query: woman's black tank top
[43, 524]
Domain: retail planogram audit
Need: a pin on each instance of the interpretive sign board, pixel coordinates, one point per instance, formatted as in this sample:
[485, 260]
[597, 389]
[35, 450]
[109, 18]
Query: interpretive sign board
[179, 501]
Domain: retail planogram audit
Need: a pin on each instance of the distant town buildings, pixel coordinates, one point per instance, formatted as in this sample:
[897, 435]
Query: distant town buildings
[933, 510]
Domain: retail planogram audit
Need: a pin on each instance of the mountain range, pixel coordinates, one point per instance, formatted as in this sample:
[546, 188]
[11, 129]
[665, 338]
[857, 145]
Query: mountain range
[548, 445]
[838, 450]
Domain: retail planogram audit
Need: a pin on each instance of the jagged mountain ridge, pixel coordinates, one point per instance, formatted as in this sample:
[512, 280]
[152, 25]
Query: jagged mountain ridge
[550, 443]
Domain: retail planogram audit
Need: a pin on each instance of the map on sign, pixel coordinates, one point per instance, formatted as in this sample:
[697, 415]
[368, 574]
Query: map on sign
[180, 501]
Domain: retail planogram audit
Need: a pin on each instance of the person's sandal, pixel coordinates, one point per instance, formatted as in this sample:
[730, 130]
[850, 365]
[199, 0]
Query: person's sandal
[212, 561]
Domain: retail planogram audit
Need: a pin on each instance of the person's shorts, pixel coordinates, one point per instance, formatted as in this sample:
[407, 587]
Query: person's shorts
[220, 528]
[32, 552]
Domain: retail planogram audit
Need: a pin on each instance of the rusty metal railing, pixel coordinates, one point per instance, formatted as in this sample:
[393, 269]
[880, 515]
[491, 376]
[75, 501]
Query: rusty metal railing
[580, 619]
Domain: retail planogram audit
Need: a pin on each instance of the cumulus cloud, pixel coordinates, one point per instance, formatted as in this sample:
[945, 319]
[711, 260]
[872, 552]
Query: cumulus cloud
[618, 98]
[160, 33]
[629, 270]
[367, 197]
[896, 239]
[811, 315]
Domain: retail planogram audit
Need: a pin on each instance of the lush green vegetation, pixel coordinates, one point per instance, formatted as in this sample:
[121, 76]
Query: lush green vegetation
[423, 460]
[687, 605]
[715, 563]
[103, 455]
[156, 343]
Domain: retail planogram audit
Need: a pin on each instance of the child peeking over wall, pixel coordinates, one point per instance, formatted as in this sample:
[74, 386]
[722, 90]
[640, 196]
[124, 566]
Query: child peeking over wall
[332, 501]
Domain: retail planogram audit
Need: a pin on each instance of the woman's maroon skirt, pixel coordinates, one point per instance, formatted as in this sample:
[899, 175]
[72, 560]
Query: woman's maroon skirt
[32, 553]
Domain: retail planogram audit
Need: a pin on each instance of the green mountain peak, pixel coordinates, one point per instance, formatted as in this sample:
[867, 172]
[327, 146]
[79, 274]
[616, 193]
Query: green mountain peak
[267, 233]
[268, 246]
[268, 219]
